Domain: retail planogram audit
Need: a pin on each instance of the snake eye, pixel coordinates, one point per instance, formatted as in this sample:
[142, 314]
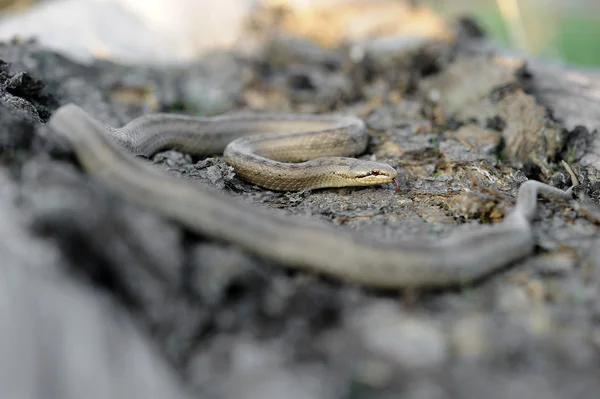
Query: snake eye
[375, 172]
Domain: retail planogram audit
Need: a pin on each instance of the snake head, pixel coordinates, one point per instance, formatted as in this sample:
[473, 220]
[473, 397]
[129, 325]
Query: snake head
[367, 173]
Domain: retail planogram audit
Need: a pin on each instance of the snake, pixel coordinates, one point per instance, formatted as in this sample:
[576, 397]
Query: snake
[277, 151]
[288, 240]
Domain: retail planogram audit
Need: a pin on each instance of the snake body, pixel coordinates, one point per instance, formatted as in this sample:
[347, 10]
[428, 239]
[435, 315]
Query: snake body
[294, 242]
[289, 152]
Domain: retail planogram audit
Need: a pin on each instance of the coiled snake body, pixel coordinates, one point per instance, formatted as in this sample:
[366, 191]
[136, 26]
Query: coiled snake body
[456, 259]
[307, 151]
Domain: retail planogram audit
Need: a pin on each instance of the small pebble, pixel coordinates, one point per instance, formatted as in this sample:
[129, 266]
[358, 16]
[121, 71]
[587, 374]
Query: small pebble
[513, 299]
[410, 341]
[469, 337]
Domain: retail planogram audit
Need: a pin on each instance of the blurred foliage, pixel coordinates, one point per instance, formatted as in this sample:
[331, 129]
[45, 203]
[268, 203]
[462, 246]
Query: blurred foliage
[565, 30]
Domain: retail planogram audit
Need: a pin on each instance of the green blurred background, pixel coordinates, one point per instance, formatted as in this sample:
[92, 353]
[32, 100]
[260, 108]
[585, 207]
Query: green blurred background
[567, 30]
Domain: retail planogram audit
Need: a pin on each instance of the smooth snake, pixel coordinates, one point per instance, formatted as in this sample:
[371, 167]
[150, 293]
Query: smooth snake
[289, 241]
[308, 151]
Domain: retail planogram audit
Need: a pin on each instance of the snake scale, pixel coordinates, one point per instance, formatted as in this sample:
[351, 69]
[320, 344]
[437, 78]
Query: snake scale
[310, 151]
[292, 242]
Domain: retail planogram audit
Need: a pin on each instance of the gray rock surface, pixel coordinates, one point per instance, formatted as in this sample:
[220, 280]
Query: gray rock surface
[109, 300]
